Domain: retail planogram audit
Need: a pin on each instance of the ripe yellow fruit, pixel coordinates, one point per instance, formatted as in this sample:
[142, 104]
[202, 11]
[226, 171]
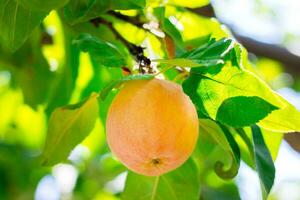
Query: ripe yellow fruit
[152, 126]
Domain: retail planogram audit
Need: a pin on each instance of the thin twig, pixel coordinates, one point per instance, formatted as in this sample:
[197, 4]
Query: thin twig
[136, 51]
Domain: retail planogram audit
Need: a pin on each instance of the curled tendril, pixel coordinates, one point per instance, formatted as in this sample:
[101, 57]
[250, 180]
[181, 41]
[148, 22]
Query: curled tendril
[229, 173]
[235, 155]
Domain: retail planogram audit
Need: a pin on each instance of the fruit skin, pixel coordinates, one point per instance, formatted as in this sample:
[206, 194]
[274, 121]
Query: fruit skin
[152, 126]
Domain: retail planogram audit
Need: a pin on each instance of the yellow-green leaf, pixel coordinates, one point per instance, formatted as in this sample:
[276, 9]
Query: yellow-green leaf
[68, 126]
[209, 88]
[180, 184]
[284, 120]
[17, 22]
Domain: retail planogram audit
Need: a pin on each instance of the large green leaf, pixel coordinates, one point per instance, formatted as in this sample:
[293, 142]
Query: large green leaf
[181, 184]
[83, 10]
[209, 88]
[17, 22]
[39, 5]
[103, 52]
[284, 120]
[230, 112]
[68, 126]
[263, 160]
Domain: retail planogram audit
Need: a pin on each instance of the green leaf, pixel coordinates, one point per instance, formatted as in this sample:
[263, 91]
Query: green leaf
[159, 13]
[167, 26]
[284, 120]
[172, 31]
[208, 126]
[197, 42]
[116, 83]
[41, 5]
[208, 88]
[273, 141]
[212, 50]
[228, 191]
[139, 3]
[235, 55]
[221, 135]
[180, 184]
[236, 155]
[103, 52]
[68, 126]
[245, 142]
[243, 111]
[17, 22]
[209, 54]
[78, 11]
[263, 160]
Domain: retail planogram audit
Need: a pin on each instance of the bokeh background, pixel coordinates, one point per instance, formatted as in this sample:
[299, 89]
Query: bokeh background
[269, 29]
